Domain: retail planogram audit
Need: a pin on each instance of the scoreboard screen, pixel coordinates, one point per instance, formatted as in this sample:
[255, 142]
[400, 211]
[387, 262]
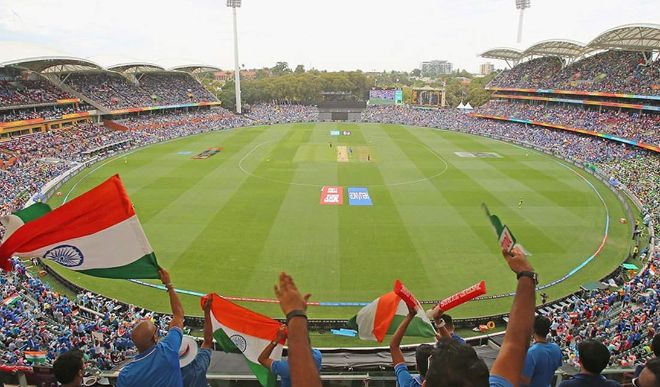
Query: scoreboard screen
[386, 96]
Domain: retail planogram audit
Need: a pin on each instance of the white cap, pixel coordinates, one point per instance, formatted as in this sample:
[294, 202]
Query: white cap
[187, 351]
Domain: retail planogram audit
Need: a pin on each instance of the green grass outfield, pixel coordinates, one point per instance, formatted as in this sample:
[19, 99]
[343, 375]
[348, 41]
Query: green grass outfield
[229, 224]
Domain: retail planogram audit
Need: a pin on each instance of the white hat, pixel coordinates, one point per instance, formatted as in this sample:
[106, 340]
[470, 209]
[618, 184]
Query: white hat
[187, 351]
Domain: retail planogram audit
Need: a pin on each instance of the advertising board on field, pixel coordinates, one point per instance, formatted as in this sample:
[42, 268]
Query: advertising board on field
[332, 195]
[359, 196]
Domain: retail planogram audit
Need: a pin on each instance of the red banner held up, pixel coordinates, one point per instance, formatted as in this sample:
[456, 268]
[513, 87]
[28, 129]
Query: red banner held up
[463, 296]
[405, 294]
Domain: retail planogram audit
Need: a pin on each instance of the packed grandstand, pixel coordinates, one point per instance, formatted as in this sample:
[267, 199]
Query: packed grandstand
[54, 118]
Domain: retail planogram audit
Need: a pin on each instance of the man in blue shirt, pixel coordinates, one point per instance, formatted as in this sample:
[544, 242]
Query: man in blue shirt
[194, 374]
[157, 363]
[594, 357]
[542, 359]
[403, 376]
[281, 367]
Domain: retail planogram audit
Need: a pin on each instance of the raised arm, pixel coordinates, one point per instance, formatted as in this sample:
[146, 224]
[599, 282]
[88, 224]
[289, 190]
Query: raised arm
[264, 356]
[511, 359]
[441, 330]
[395, 344]
[208, 327]
[175, 303]
[294, 305]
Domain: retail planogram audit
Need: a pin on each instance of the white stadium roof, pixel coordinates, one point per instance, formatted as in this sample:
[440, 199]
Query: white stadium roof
[555, 47]
[632, 37]
[196, 68]
[504, 53]
[137, 67]
[41, 59]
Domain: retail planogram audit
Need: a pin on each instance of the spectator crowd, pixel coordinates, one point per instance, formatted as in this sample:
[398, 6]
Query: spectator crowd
[114, 91]
[276, 113]
[637, 126]
[613, 71]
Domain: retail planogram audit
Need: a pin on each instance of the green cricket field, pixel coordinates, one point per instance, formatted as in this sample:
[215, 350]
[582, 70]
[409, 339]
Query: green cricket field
[231, 222]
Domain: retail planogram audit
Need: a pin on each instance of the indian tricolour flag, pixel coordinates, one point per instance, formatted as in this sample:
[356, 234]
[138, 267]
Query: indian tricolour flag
[237, 329]
[35, 357]
[98, 234]
[11, 300]
[384, 315]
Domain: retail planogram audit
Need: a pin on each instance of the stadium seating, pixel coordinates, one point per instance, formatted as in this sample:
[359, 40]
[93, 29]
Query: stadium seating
[613, 71]
[174, 88]
[271, 113]
[15, 90]
[631, 125]
[529, 75]
[110, 90]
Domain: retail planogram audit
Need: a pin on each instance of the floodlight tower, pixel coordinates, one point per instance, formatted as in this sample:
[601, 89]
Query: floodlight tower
[237, 71]
[522, 5]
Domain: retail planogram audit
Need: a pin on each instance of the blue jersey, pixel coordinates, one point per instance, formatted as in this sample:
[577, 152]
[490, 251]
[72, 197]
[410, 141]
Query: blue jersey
[541, 362]
[194, 374]
[159, 366]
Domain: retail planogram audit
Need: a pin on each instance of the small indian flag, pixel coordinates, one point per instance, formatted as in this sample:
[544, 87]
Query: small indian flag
[384, 315]
[237, 329]
[98, 234]
[35, 357]
[11, 300]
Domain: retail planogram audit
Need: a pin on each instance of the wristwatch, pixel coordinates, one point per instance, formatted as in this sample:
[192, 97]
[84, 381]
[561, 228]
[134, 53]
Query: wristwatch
[295, 313]
[534, 276]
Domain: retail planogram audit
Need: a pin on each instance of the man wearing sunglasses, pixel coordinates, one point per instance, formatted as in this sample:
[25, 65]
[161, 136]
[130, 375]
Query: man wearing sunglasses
[157, 363]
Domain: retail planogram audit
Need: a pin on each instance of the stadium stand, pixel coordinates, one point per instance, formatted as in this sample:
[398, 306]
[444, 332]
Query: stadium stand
[276, 113]
[618, 61]
[633, 125]
[528, 74]
[108, 89]
[173, 88]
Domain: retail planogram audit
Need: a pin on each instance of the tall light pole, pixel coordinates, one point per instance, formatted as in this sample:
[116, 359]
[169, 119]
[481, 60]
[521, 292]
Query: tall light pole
[522, 5]
[237, 70]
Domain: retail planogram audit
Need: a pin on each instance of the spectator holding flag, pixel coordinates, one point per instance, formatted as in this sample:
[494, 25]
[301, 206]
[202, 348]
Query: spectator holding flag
[422, 353]
[194, 373]
[157, 363]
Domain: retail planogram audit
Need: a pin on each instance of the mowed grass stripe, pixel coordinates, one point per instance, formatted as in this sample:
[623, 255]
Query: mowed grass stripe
[465, 193]
[138, 168]
[579, 241]
[304, 236]
[165, 188]
[437, 230]
[373, 238]
[230, 245]
[177, 225]
[217, 180]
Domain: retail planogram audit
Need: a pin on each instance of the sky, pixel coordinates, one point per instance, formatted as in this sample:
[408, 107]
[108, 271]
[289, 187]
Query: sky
[331, 35]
